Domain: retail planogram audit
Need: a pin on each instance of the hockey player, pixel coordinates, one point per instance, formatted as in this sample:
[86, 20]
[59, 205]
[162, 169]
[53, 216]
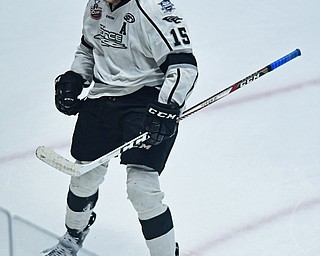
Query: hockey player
[138, 57]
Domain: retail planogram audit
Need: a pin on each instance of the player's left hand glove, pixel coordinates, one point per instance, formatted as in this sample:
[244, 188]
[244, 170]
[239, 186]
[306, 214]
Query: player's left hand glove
[161, 121]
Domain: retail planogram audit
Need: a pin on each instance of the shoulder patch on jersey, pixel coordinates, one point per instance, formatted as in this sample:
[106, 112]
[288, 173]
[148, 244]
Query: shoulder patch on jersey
[129, 18]
[166, 6]
[96, 11]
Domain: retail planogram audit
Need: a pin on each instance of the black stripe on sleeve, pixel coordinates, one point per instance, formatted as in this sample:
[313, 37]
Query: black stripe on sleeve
[83, 41]
[178, 58]
[175, 85]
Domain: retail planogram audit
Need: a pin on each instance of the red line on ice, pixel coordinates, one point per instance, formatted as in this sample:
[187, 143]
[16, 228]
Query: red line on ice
[268, 94]
[250, 227]
[28, 153]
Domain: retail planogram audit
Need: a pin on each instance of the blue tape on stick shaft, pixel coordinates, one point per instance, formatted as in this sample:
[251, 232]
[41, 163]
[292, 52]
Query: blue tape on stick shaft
[285, 59]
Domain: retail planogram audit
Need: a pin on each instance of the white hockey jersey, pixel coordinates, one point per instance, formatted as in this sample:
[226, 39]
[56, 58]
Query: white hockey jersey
[135, 44]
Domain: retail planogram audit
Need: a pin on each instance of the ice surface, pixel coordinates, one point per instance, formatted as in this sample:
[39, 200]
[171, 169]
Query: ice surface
[244, 176]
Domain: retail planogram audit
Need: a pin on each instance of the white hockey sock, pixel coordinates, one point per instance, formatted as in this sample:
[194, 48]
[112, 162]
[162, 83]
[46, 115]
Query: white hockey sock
[162, 246]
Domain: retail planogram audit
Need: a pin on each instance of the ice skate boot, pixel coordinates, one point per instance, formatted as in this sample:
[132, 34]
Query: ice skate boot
[71, 242]
[177, 250]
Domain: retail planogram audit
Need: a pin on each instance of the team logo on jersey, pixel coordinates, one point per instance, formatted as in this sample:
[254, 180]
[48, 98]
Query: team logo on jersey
[174, 19]
[96, 11]
[166, 6]
[109, 38]
[129, 18]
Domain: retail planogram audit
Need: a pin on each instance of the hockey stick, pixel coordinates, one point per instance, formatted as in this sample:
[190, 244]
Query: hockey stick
[62, 164]
[241, 83]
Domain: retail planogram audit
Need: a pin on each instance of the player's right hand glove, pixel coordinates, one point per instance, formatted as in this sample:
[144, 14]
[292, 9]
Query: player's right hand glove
[68, 87]
[161, 122]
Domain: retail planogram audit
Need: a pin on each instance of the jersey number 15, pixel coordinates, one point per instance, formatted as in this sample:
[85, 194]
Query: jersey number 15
[181, 36]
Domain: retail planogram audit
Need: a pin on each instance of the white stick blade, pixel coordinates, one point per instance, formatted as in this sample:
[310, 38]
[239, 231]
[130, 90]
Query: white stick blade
[56, 161]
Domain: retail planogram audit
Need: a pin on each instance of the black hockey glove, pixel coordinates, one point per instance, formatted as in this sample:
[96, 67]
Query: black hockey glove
[68, 87]
[161, 122]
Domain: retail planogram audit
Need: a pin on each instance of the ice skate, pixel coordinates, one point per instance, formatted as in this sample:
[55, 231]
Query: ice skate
[177, 250]
[71, 242]
[68, 245]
